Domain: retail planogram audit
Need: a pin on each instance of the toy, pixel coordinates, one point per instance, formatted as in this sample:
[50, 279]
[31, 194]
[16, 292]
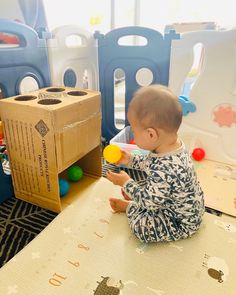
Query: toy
[9, 39]
[187, 105]
[112, 153]
[1, 134]
[131, 141]
[75, 173]
[198, 154]
[1, 139]
[64, 187]
[4, 153]
[136, 152]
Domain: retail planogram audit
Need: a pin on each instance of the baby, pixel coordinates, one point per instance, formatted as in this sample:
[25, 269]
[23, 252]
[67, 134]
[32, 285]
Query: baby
[169, 204]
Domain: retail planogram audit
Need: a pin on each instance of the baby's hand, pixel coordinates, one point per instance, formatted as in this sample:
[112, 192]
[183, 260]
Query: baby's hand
[125, 158]
[117, 178]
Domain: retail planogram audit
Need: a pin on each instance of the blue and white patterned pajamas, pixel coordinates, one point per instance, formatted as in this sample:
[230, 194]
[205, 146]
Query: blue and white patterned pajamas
[169, 204]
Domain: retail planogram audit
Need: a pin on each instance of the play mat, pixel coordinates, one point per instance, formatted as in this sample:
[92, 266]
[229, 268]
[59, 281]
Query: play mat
[87, 249]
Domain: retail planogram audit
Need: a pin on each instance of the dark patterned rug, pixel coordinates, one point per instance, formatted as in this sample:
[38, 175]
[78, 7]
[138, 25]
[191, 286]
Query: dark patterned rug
[21, 222]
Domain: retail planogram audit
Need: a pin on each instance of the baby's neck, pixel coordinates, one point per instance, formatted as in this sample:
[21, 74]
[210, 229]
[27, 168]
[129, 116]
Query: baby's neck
[169, 145]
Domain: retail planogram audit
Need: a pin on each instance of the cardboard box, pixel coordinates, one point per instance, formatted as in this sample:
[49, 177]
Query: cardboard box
[47, 131]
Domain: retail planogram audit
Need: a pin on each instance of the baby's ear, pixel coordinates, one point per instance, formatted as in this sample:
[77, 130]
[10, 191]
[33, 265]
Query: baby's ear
[153, 133]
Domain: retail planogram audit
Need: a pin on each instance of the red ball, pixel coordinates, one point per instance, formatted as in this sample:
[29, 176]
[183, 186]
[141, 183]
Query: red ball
[198, 154]
[131, 141]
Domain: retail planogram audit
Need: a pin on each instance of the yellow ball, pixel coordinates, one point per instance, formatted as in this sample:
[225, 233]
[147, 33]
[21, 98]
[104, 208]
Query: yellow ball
[112, 153]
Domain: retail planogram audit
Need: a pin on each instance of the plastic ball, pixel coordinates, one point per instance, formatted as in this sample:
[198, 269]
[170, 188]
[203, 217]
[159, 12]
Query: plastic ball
[131, 141]
[75, 173]
[136, 152]
[112, 153]
[64, 187]
[198, 154]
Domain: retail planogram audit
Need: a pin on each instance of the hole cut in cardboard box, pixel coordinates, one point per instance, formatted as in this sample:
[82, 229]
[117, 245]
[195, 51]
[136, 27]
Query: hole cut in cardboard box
[47, 131]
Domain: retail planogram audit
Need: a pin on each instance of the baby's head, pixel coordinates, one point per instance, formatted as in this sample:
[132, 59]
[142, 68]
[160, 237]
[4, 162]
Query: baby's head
[155, 115]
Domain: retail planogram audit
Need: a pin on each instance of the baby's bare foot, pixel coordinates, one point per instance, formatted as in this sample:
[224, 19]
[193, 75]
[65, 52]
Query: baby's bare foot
[118, 205]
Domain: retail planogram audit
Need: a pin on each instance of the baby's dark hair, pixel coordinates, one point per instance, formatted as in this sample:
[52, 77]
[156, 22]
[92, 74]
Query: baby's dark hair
[157, 106]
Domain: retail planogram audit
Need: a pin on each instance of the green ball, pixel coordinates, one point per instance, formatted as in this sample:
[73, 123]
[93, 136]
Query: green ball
[75, 173]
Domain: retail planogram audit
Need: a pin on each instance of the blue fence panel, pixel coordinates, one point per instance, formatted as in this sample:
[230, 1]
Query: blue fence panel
[155, 56]
[29, 59]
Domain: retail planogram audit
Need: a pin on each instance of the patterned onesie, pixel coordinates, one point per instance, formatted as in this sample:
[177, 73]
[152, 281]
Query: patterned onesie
[169, 204]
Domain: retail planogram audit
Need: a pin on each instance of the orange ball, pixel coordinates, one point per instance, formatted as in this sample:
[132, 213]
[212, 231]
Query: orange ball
[112, 153]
